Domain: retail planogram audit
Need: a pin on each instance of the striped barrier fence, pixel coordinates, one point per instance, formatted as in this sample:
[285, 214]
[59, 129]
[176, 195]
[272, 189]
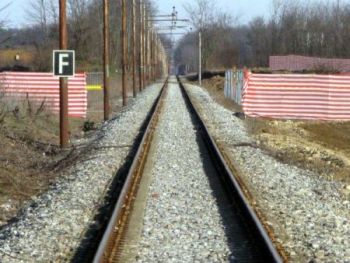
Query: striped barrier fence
[38, 87]
[297, 96]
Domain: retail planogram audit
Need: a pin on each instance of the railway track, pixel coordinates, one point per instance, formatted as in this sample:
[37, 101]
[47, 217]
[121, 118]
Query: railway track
[246, 237]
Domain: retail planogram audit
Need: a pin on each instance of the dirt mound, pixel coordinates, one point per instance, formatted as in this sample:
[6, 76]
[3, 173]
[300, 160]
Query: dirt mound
[217, 82]
[215, 87]
[206, 75]
[317, 146]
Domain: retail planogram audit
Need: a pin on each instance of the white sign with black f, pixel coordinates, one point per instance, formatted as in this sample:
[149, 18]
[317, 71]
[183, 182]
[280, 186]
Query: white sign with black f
[64, 63]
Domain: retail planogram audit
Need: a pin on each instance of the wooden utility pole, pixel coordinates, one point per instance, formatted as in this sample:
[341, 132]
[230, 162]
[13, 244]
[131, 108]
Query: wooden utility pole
[156, 51]
[133, 40]
[200, 58]
[64, 123]
[147, 48]
[140, 45]
[156, 57]
[106, 105]
[159, 58]
[144, 69]
[150, 55]
[124, 54]
[146, 51]
[153, 50]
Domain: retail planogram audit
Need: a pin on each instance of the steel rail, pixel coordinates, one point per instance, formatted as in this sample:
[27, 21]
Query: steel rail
[234, 188]
[114, 231]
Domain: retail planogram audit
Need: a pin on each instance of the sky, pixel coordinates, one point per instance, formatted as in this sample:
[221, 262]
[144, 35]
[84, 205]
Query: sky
[244, 9]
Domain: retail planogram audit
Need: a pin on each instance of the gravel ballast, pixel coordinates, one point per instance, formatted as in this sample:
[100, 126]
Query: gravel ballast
[51, 226]
[308, 213]
[182, 222]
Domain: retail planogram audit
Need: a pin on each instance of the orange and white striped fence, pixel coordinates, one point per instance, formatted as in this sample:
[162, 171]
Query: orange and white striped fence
[297, 96]
[39, 87]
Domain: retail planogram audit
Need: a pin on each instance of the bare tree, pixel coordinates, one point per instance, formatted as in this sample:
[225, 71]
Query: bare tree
[85, 31]
[38, 14]
[80, 27]
[216, 27]
[5, 38]
[42, 13]
[201, 13]
[296, 27]
[2, 9]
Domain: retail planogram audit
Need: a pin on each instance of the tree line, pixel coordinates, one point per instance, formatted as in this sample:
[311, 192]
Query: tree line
[85, 31]
[315, 28]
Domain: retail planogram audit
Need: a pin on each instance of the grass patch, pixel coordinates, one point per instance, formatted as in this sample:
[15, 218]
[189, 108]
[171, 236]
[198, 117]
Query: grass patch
[29, 136]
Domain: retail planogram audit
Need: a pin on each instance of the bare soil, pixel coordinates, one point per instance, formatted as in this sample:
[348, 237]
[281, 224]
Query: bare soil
[215, 87]
[318, 146]
[31, 158]
[28, 148]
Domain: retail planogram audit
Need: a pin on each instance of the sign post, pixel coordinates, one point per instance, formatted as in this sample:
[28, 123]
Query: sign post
[63, 63]
[200, 58]
[106, 104]
[63, 69]
[133, 40]
[140, 45]
[124, 53]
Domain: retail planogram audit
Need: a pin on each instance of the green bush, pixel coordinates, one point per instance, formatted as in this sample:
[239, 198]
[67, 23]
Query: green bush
[89, 126]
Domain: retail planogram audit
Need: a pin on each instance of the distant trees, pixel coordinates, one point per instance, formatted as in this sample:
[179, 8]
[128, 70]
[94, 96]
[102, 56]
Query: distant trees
[3, 37]
[186, 51]
[219, 47]
[83, 23]
[2, 8]
[295, 27]
[85, 26]
[43, 13]
[43, 32]
[315, 28]
[201, 13]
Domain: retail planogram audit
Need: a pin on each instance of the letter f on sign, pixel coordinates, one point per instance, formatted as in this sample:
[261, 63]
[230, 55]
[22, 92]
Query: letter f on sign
[62, 63]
